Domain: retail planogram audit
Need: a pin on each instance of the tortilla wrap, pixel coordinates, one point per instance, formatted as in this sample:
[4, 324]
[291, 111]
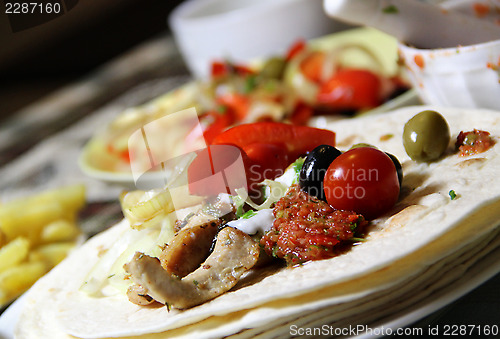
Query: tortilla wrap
[425, 228]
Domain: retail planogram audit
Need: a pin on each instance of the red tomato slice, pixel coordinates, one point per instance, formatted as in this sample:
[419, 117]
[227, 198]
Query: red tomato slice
[298, 139]
[301, 114]
[237, 103]
[295, 49]
[363, 180]
[217, 169]
[212, 124]
[267, 161]
[220, 68]
[312, 66]
[243, 70]
[351, 89]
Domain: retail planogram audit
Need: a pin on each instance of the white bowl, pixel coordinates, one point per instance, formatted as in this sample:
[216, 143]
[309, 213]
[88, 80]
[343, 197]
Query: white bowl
[242, 30]
[465, 76]
[462, 76]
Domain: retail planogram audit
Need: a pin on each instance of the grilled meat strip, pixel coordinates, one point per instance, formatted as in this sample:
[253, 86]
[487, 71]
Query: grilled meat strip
[235, 253]
[189, 248]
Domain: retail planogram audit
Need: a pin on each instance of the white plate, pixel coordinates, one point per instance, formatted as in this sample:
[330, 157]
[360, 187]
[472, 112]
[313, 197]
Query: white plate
[9, 318]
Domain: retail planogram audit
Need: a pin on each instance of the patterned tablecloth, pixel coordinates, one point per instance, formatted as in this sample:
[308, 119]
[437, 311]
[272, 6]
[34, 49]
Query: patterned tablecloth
[40, 146]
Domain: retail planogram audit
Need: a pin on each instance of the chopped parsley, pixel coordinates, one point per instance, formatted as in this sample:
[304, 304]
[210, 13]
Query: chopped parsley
[391, 9]
[453, 194]
[239, 211]
[274, 252]
[248, 214]
[297, 166]
[386, 137]
[238, 202]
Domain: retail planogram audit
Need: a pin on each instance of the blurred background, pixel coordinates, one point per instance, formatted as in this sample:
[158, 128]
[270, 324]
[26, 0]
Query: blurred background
[38, 60]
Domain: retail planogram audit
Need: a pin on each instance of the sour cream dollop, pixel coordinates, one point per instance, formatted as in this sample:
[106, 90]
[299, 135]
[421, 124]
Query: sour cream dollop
[260, 222]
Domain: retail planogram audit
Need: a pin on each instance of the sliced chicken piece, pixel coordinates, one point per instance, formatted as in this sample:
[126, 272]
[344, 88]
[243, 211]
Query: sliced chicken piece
[189, 248]
[235, 253]
[221, 209]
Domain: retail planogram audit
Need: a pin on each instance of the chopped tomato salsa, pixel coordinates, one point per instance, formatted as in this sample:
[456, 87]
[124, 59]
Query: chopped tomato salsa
[306, 228]
[473, 142]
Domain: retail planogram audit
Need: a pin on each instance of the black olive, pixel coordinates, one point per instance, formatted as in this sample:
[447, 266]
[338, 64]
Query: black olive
[399, 168]
[314, 169]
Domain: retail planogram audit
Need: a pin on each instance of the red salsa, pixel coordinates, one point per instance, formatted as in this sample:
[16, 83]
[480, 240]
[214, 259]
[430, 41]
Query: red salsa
[473, 142]
[306, 228]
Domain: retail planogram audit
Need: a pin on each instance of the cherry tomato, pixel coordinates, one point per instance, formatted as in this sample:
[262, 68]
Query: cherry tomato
[351, 89]
[298, 139]
[363, 180]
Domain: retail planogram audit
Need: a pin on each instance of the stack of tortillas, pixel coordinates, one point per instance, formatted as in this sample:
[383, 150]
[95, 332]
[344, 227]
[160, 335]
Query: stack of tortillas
[428, 243]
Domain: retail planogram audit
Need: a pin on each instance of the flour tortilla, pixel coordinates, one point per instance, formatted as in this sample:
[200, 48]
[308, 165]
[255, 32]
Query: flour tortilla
[389, 301]
[424, 228]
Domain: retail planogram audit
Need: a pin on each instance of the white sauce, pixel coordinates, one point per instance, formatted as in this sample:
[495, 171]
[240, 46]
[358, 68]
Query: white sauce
[288, 178]
[261, 222]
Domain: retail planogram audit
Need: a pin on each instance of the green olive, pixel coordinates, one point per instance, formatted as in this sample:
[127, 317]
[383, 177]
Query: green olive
[426, 136]
[273, 68]
[361, 144]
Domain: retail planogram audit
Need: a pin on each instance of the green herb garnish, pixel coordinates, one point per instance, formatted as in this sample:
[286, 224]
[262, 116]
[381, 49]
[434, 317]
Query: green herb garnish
[250, 83]
[297, 167]
[238, 202]
[239, 211]
[386, 137]
[274, 252]
[391, 9]
[355, 239]
[221, 109]
[248, 214]
[453, 194]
